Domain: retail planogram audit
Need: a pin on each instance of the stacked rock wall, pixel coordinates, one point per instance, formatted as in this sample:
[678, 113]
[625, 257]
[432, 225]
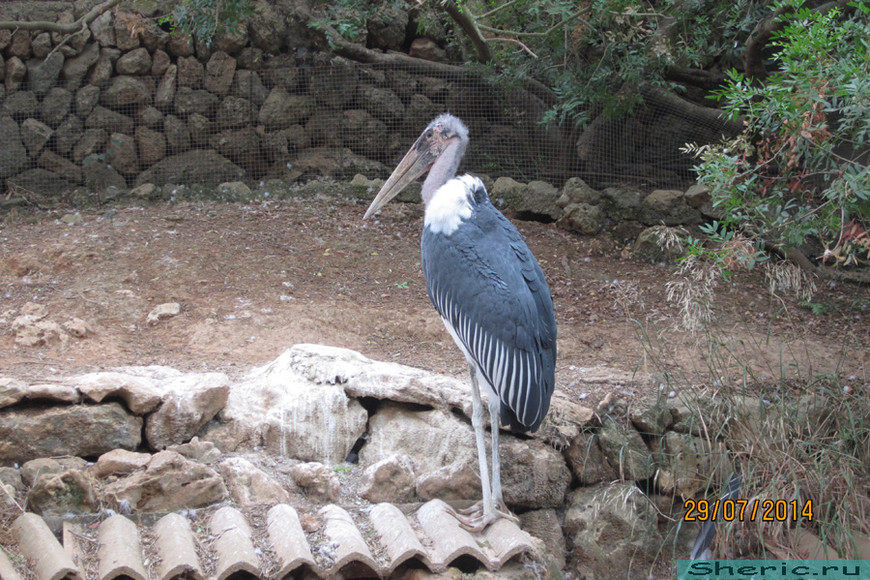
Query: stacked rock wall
[127, 103]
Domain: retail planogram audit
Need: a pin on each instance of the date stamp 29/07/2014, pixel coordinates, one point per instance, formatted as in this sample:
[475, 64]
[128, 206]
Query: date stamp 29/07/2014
[746, 510]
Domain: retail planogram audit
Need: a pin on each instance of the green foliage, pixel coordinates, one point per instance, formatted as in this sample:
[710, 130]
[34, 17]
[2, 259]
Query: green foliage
[724, 247]
[206, 18]
[799, 172]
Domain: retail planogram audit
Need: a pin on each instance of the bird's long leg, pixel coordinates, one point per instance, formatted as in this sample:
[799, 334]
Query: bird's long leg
[478, 421]
[478, 516]
[498, 506]
[497, 500]
[483, 513]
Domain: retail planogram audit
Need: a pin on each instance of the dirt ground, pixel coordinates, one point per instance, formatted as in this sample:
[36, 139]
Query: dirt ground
[255, 279]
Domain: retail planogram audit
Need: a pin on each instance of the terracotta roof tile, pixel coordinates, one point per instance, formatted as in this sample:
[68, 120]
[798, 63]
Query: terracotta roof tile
[375, 541]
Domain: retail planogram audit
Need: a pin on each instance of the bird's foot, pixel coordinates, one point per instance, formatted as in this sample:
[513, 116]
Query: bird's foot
[476, 518]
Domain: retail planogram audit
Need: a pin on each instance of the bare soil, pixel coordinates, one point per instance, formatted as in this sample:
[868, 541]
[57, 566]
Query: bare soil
[254, 279]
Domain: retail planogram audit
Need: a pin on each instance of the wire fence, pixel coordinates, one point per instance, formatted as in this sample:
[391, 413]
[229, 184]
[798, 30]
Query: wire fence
[157, 108]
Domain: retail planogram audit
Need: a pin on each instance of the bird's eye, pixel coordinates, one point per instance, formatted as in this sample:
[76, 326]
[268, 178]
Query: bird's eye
[429, 133]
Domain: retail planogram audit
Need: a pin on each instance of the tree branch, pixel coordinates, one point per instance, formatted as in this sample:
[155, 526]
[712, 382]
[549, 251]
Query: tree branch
[469, 26]
[691, 111]
[753, 54]
[799, 258]
[694, 76]
[69, 28]
[360, 53]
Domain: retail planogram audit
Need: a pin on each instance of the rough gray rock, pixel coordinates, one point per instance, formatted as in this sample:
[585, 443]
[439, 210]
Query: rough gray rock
[164, 96]
[190, 72]
[33, 469]
[196, 166]
[43, 74]
[61, 166]
[20, 104]
[534, 475]
[141, 394]
[587, 461]
[267, 27]
[108, 120]
[317, 481]
[281, 109]
[582, 218]
[55, 106]
[689, 466]
[135, 62]
[614, 531]
[391, 479]
[101, 176]
[338, 163]
[16, 71]
[11, 391]
[119, 462]
[81, 430]
[151, 145]
[382, 103]
[124, 91]
[77, 67]
[535, 199]
[387, 28]
[247, 84]
[189, 101]
[235, 112]
[63, 493]
[169, 482]
[122, 155]
[360, 129]
[669, 207]
[625, 450]
[87, 98]
[659, 244]
[13, 154]
[219, 73]
[35, 134]
[247, 484]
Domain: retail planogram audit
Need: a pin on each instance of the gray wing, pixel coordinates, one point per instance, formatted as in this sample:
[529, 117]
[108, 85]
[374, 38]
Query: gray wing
[485, 282]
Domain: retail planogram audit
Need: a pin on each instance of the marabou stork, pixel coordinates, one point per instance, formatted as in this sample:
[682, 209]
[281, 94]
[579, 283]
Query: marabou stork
[490, 292]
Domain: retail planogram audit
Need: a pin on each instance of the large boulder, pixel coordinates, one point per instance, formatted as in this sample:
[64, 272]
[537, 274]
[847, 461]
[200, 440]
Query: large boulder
[196, 166]
[189, 401]
[291, 414]
[82, 430]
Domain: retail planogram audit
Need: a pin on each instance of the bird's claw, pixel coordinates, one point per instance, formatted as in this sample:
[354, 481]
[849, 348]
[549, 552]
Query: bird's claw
[475, 519]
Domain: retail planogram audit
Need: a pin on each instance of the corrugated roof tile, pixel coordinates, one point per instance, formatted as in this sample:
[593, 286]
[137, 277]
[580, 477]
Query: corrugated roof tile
[39, 546]
[119, 550]
[375, 541]
[177, 549]
[233, 544]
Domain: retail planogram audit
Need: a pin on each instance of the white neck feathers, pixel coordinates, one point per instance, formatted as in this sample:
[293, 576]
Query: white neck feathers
[450, 205]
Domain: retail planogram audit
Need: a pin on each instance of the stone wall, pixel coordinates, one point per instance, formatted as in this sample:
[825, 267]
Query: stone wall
[324, 424]
[128, 103]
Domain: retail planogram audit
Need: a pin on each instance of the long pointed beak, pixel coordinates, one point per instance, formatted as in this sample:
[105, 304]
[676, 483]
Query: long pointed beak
[413, 165]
